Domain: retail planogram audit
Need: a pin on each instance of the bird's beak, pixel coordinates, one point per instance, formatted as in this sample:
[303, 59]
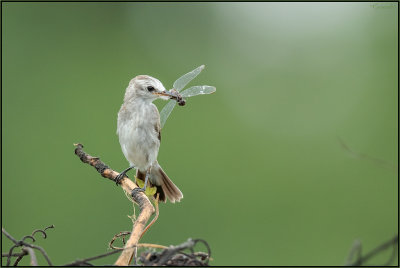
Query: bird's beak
[166, 93]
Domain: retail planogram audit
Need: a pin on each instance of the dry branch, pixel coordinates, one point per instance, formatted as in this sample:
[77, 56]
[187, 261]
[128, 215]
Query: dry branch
[361, 260]
[27, 249]
[33, 256]
[145, 206]
[174, 255]
[123, 234]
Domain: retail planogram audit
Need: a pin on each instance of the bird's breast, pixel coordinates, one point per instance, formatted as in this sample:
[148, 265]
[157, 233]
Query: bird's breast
[137, 135]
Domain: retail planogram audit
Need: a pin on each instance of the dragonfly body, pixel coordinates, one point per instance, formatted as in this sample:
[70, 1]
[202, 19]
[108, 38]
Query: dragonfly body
[179, 99]
[179, 84]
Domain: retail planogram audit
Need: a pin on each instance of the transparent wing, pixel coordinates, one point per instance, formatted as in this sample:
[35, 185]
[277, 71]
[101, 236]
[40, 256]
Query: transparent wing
[198, 90]
[166, 111]
[182, 81]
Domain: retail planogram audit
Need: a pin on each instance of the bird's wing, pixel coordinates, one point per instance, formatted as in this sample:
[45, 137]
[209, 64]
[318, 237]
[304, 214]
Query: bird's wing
[157, 125]
[158, 129]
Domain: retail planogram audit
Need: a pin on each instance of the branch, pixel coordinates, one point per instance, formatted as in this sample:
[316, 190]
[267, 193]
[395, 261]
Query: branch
[33, 256]
[123, 234]
[174, 255]
[26, 247]
[14, 254]
[146, 210]
[361, 260]
[359, 155]
[154, 219]
[120, 234]
[20, 258]
[141, 245]
[86, 261]
[145, 206]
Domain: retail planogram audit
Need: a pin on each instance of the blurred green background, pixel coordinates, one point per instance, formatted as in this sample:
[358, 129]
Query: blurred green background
[264, 176]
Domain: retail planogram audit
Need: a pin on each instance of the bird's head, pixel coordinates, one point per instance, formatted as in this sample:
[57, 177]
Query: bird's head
[147, 88]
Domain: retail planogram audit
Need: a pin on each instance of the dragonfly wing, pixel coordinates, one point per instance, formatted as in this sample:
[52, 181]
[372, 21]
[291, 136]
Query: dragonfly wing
[166, 111]
[182, 81]
[197, 90]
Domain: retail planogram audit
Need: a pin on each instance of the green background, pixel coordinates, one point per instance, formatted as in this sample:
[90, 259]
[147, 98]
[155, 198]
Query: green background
[265, 178]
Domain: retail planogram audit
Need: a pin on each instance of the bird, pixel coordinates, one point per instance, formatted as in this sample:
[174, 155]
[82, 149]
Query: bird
[139, 133]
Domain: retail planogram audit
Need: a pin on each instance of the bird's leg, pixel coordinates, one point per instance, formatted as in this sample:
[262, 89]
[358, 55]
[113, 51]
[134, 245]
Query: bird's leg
[122, 174]
[138, 189]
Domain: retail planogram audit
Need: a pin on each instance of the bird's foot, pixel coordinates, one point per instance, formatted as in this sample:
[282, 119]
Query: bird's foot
[119, 177]
[138, 189]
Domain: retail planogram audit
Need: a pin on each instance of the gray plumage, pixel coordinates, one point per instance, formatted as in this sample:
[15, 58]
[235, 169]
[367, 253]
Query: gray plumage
[139, 133]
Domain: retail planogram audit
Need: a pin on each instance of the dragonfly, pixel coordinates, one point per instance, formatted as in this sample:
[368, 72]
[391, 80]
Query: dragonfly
[178, 85]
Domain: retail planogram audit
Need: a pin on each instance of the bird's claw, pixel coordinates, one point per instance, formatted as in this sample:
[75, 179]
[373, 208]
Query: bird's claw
[138, 189]
[119, 178]
[121, 175]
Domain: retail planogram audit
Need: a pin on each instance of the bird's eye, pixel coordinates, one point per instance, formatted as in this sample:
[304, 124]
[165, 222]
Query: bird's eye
[150, 88]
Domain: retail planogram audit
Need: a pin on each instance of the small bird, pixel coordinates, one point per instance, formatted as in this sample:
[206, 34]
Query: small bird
[139, 132]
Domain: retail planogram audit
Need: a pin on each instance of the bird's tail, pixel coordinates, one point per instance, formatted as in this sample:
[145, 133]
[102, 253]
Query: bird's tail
[165, 187]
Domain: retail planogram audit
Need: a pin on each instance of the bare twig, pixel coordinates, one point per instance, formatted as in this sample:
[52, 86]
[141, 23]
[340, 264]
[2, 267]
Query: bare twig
[32, 254]
[166, 255]
[84, 261]
[14, 254]
[41, 251]
[123, 234]
[393, 255]
[141, 245]
[361, 260]
[104, 170]
[120, 234]
[155, 217]
[174, 255]
[43, 232]
[17, 260]
[355, 250]
[364, 156]
[9, 236]
[87, 260]
[26, 248]
[146, 209]
[20, 256]
[147, 245]
[10, 253]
